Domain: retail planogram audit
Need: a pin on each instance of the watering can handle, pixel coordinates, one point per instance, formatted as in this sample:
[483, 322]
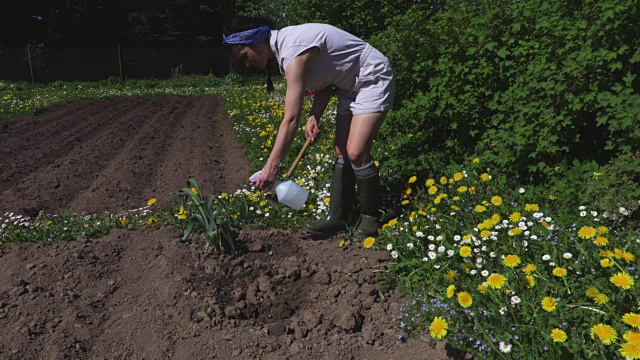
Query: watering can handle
[295, 163]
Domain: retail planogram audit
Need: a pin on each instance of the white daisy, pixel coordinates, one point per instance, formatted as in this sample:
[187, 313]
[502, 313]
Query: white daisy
[394, 254]
[505, 347]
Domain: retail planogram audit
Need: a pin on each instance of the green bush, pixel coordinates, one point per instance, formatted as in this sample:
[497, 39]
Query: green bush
[528, 85]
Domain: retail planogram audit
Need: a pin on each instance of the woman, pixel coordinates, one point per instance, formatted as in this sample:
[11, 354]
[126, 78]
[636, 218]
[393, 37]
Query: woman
[315, 57]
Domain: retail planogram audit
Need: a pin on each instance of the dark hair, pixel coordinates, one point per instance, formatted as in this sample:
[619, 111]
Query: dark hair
[242, 23]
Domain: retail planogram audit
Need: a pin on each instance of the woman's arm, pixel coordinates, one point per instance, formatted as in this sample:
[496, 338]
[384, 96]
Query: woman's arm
[294, 75]
[320, 102]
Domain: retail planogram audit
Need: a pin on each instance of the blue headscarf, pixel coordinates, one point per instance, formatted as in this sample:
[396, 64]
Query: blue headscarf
[246, 37]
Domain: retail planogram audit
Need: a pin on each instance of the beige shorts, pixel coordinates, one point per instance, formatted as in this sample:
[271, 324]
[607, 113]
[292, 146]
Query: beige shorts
[375, 86]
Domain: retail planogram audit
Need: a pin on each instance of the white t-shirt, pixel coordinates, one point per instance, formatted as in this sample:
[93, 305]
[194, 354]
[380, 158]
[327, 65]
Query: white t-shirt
[339, 60]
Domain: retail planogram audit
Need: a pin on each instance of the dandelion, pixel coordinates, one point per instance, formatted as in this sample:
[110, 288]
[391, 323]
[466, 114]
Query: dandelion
[600, 240]
[605, 263]
[559, 272]
[622, 280]
[451, 290]
[430, 182]
[630, 350]
[443, 180]
[531, 207]
[601, 299]
[627, 256]
[450, 276]
[605, 333]
[496, 281]
[504, 347]
[529, 268]
[632, 336]
[341, 243]
[464, 299]
[586, 232]
[480, 208]
[124, 222]
[631, 319]
[511, 261]
[457, 176]
[465, 251]
[482, 288]
[602, 230]
[558, 335]
[412, 179]
[529, 281]
[496, 200]
[438, 328]
[194, 190]
[151, 201]
[549, 304]
[368, 242]
[515, 217]
[462, 189]
[485, 177]
[592, 292]
[394, 254]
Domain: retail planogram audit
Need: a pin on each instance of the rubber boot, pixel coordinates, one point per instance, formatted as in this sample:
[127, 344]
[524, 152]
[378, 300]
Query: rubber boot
[369, 190]
[342, 192]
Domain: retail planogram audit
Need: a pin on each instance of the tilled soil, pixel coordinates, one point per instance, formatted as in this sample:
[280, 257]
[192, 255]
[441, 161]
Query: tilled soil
[144, 294]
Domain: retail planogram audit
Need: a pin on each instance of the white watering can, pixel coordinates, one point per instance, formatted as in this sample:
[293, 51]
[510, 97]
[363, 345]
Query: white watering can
[288, 192]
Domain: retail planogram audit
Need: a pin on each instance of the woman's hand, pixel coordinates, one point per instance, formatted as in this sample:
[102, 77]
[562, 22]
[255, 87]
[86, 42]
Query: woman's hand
[266, 179]
[312, 130]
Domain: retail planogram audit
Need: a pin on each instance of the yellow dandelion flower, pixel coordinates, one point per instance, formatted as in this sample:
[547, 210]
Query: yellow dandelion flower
[496, 200]
[432, 190]
[476, 160]
[531, 207]
[472, 189]
[457, 176]
[558, 335]
[622, 280]
[549, 303]
[600, 240]
[480, 208]
[465, 251]
[151, 201]
[559, 272]
[455, 198]
[511, 260]
[482, 288]
[150, 221]
[443, 180]
[601, 299]
[462, 189]
[326, 200]
[464, 299]
[407, 191]
[617, 253]
[485, 177]
[631, 319]
[124, 222]
[392, 222]
[405, 202]
[529, 268]
[412, 179]
[632, 336]
[606, 253]
[514, 231]
[224, 195]
[630, 350]
[341, 243]
[602, 230]
[430, 182]
[515, 217]
[605, 263]
[450, 276]
[586, 232]
[495, 219]
[485, 234]
[438, 328]
[368, 242]
[605, 333]
[183, 215]
[592, 292]
[529, 281]
[627, 256]
[195, 191]
[496, 281]
[451, 290]
[553, 197]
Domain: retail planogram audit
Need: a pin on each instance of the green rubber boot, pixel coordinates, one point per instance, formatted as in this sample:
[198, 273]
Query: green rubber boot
[342, 192]
[369, 190]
